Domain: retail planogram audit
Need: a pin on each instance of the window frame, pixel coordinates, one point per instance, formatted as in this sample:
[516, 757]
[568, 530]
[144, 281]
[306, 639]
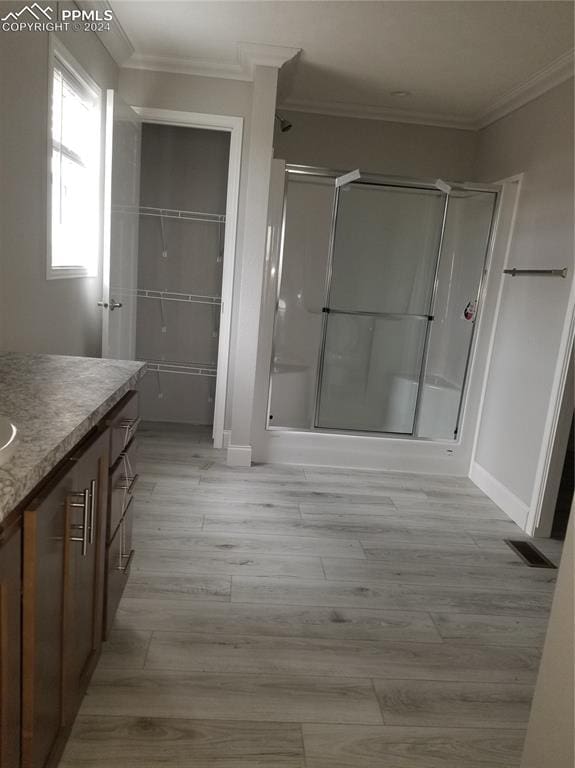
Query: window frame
[59, 54]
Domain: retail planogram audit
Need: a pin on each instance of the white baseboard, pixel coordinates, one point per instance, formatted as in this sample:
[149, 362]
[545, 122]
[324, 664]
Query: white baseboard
[239, 455]
[505, 499]
[227, 434]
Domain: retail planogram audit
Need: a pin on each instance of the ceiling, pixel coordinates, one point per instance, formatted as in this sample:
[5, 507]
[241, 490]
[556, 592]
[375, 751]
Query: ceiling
[461, 61]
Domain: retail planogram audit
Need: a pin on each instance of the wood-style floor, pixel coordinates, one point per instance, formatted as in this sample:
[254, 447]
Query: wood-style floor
[282, 617]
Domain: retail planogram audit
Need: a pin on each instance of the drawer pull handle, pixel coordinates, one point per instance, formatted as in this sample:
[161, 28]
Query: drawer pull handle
[85, 506]
[92, 510]
[127, 483]
[130, 557]
[130, 425]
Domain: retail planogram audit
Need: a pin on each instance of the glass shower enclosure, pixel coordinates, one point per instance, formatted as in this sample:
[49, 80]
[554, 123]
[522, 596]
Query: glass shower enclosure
[378, 295]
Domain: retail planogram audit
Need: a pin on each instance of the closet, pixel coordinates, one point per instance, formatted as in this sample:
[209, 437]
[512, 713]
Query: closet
[183, 189]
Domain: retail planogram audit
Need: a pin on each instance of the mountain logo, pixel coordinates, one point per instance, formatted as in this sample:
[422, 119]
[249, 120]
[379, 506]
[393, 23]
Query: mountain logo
[35, 10]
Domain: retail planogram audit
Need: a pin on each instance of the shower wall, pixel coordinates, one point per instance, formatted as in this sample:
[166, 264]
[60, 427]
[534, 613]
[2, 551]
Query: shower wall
[180, 261]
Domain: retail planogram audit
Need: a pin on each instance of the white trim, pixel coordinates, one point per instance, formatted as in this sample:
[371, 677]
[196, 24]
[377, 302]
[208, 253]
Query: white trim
[548, 77]
[553, 412]
[249, 56]
[197, 67]
[373, 112]
[56, 49]
[507, 501]
[226, 437]
[234, 126]
[239, 455]
[518, 179]
[107, 219]
[115, 41]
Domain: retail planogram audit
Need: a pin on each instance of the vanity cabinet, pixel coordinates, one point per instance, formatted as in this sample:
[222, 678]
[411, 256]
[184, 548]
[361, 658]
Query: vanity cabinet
[65, 556]
[63, 590]
[10, 643]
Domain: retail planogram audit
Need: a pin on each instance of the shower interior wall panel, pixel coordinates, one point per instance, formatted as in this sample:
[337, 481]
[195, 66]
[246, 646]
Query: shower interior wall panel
[183, 169]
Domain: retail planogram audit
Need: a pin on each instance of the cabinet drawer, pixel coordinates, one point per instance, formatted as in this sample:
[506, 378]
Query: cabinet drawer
[123, 481]
[118, 562]
[123, 422]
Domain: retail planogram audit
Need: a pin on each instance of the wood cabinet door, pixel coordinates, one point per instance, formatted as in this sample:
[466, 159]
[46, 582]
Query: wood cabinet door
[43, 722]
[10, 640]
[84, 589]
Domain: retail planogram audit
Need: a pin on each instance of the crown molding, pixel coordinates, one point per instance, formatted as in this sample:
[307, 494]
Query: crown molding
[229, 70]
[548, 77]
[553, 74]
[249, 56]
[116, 41]
[371, 112]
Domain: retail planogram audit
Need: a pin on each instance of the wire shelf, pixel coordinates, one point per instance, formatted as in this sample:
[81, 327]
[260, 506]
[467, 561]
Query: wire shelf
[173, 213]
[145, 293]
[187, 369]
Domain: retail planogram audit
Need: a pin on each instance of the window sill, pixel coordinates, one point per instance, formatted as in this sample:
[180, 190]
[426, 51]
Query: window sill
[65, 273]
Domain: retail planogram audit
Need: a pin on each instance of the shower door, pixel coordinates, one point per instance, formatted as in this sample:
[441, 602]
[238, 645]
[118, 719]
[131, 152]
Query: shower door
[385, 252]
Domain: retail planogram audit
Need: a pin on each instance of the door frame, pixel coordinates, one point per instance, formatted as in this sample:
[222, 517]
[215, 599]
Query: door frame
[234, 126]
[542, 507]
[111, 103]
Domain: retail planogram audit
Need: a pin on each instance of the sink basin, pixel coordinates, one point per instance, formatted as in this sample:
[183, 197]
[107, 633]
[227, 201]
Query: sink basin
[8, 440]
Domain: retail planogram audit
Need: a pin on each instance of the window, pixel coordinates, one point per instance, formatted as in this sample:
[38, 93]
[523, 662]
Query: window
[75, 178]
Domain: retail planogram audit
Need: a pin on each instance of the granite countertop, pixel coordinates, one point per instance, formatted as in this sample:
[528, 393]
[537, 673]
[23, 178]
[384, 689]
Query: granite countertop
[54, 401]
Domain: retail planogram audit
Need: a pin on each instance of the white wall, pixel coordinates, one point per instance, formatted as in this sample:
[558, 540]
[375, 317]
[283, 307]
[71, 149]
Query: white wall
[36, 314]
[527, 354]
[210, 95]
[398, 149]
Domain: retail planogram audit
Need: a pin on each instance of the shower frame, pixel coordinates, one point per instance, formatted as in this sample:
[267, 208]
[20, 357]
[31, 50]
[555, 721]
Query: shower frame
[383, 180]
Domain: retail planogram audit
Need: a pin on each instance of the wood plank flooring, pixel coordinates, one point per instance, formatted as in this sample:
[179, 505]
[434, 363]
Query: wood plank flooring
[291, 617]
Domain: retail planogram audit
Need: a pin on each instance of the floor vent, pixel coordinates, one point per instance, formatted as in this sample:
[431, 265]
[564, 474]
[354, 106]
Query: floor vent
[529, 554]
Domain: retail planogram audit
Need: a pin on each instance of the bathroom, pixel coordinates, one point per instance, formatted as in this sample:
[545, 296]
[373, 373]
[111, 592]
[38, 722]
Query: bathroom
[273, 407]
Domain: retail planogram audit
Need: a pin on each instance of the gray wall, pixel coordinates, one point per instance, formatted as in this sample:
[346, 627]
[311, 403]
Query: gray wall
[401, 149]
[538, 141]
[36, 314]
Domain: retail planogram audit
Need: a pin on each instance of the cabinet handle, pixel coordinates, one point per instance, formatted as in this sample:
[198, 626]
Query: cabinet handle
[85, 506]
[122, 534]
[130, 425]
[92, 510]
[128, 483]
[130, 557]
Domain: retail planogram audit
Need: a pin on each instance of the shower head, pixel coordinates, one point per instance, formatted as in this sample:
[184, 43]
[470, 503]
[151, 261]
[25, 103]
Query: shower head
[285, 125]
